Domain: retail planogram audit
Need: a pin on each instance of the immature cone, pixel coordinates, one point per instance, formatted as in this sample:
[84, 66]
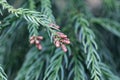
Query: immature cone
[64, 48]
[39, 46]
[61, 35]
[32, 41]
[60, 40]
[36, 40]
[57, 43]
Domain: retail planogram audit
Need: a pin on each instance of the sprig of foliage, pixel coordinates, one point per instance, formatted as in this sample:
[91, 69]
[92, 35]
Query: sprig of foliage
[33, 30]
[2, 74]
[53, 69]
[87, 38]
[60, 39]
[76, 68]
[93, 61]
[56, 67]
[79, 71]
[46, 9]
[31, 16]
[37, 18]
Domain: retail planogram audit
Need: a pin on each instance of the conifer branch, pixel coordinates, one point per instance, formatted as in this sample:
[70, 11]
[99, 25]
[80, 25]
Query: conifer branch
[31, 16]
[33, 30]
[59, 38]
[2, 74]
[79, 69]
[87, 38]
[56, 67]
[52, 71]
[37, 18]
[46, 9]
[76, 68]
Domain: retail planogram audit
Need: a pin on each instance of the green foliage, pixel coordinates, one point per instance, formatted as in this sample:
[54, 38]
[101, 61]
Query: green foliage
[77, 69]
[2, 74]
[107, 73]
[46, 9]
[87, 37]
[55, 66]
[33, 29]
[35, 66]
[31, 16]
[93, 52]
[110, 25]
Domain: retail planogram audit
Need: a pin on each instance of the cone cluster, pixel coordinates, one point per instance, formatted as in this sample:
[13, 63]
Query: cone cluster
[36, 40]
[60, 40]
